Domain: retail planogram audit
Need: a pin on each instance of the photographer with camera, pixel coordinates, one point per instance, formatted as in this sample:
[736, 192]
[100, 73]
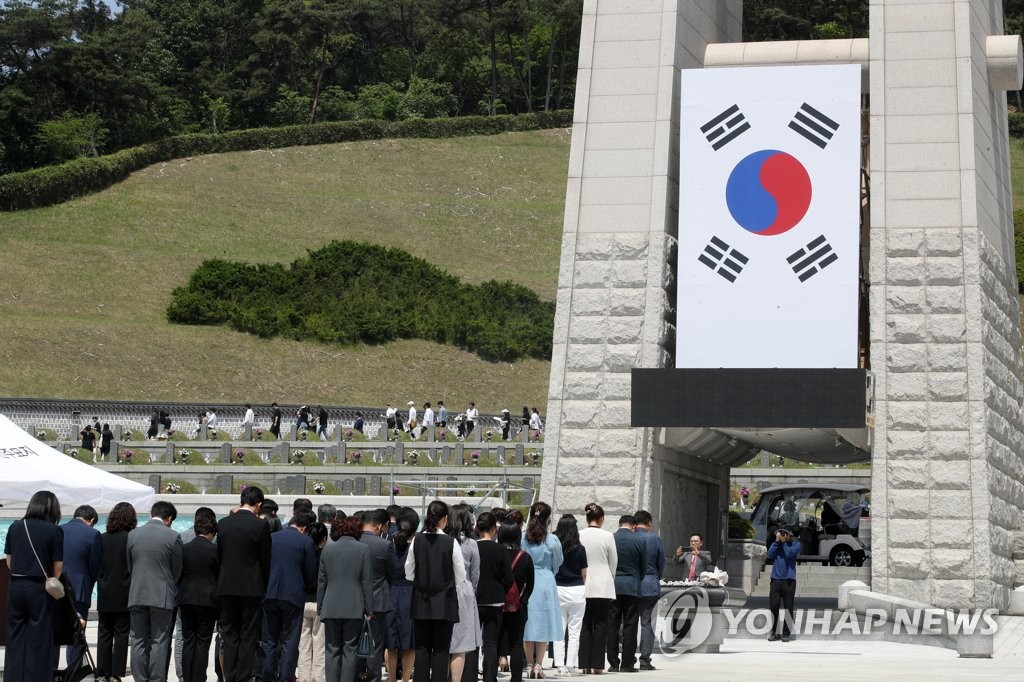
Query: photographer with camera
[783, 554]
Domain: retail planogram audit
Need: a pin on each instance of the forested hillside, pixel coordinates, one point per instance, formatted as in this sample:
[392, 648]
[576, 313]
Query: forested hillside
[87, 77]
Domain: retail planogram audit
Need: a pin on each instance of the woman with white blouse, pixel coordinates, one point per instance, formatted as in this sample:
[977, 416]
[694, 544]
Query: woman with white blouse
[600, 589]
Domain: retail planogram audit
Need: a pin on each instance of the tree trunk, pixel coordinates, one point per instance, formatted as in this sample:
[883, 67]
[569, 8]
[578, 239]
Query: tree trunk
[319, 80]
[551, 64]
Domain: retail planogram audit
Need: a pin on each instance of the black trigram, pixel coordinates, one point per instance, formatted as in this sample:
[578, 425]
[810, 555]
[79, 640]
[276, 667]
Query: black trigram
[813, 125]
[723, 259]
[811, 259]
[726, 127]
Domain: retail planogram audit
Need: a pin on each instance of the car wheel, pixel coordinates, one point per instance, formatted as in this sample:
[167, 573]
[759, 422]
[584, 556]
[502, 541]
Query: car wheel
[841, 556]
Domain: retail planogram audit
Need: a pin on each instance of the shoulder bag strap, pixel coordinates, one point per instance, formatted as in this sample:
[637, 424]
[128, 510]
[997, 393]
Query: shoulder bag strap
[29, 535]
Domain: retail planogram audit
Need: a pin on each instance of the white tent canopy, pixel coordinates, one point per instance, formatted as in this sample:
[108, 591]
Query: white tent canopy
[28, 465]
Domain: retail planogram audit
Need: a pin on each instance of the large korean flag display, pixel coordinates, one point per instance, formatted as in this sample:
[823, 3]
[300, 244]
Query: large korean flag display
[769, 217]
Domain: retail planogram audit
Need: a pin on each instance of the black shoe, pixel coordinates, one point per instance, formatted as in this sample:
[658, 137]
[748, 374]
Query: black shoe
[785, 638]
[613, 668]
[628, 669]
[647, 666]
[773, 637]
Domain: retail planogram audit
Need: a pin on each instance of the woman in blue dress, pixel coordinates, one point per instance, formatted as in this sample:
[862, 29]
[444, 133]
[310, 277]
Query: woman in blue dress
[544, 619]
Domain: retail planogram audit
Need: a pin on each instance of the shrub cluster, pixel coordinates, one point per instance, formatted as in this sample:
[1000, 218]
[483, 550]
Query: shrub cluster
[55, 184]
[349, 292]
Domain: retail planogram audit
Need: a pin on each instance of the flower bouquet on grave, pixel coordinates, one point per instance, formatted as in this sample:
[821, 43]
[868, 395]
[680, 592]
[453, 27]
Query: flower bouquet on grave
[442, 435]
[257, 434]
[172, 488]
[412, 458]
[239, 456]
[489, 436]
[357, 457]
[535, 457]
[535, 435]
[126, 433]
[41, 435]
[127, 455]
[395, 490]
[318, 487]
[474, 458]
[298, 456]
[183, 456]
[348, 435]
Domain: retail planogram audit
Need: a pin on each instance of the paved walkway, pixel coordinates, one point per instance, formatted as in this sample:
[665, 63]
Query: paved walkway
[818, 659]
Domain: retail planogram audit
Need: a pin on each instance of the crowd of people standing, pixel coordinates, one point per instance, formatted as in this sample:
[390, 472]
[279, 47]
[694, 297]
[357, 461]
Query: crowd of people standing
[452, 595]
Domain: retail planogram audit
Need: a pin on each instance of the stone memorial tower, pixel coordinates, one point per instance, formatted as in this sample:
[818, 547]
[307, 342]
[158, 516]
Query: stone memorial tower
[943, 345]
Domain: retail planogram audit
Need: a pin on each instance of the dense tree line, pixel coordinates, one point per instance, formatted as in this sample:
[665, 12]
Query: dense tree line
[349, 292]
[77, 78]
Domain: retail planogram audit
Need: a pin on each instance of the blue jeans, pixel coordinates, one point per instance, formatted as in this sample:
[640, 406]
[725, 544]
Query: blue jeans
[282, 623]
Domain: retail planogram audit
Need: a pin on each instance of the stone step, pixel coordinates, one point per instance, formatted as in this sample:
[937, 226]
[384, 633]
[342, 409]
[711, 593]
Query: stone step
[1018, 565]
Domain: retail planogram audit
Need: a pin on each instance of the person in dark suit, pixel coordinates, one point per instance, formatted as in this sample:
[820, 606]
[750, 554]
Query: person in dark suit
[35, 551]
[344, 596]
[435, 566]
[382, 564]
[292, 571]
[243, 548]
[495, 579]
[83, 555]
[650, 587]
[112, 593]
[624, 614]
[154, 561]
[197, 598]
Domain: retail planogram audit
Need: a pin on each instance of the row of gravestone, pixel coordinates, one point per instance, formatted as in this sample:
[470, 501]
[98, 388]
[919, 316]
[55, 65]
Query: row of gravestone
[338, 453]
[358, 485]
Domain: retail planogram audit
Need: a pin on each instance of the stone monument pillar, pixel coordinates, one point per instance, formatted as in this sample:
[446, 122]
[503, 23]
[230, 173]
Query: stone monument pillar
[947, 466]
[614, 310]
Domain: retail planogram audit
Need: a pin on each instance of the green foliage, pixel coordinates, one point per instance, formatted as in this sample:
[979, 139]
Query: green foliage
[1016, 121]
[70, 136]
[425, 98]
[739, 527]
[350, 293]
[55, 184]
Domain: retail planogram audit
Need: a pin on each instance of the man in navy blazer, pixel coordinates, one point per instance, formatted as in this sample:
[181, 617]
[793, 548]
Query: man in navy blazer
[624, 612]
[83, 557]
[292, 573]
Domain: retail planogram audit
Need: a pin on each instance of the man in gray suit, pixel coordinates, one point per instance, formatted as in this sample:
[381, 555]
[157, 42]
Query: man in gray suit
[382, 561]
[154, 561]
[696, 560]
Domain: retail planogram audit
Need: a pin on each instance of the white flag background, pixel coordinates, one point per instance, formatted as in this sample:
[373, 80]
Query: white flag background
[769, 217]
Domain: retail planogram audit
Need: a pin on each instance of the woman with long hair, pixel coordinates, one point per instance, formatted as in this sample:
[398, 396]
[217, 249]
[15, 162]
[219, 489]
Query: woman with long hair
[510, 639]
[495, 579]
[465, 633]
[602, 560]
[544, 623]
[399, 637]
[435, 567]
[572, 599]
[344, 597]
[35, 552]
[112, 593]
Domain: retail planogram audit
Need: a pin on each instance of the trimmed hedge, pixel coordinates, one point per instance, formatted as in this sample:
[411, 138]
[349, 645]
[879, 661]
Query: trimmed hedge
[1016, 120]
[56, 184]
[348, 293]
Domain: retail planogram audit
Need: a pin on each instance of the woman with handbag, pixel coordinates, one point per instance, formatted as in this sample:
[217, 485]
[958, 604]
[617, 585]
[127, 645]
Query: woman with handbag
[514, 615]
[344, 597]
[35, 556]
[112, 593]
[400, 641]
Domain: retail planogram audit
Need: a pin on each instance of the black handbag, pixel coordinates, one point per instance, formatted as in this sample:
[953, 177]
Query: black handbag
[365, 640]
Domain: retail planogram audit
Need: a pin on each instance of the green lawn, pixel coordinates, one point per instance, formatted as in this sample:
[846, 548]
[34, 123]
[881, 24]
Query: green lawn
[85, 284]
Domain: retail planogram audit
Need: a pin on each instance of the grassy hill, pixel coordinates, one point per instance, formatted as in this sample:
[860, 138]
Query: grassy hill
[86, 284]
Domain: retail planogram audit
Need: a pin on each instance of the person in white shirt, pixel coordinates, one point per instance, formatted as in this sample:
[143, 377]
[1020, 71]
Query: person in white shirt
[411, 422]
[250, 416]
[211, 420]
[472, 415]
[428, 417]
[536, 427]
